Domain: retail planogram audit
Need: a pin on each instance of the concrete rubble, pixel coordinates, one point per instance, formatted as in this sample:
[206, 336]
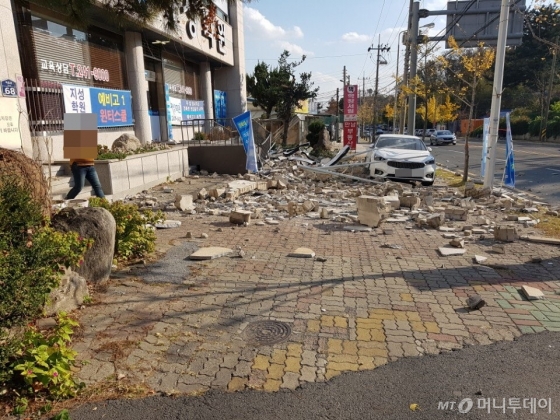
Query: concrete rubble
[284, 190]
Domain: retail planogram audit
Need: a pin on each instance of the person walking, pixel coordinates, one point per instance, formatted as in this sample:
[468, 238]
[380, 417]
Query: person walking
[83, 169]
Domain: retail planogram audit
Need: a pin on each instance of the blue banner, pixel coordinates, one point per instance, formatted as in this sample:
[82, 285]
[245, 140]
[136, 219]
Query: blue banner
[509, 176]
[113, 107]
[220, 110]
[192, 110]
[485, 128]
[245, 128]
[169, 113]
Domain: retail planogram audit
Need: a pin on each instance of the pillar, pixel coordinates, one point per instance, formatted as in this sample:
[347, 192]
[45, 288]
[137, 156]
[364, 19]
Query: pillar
[207, 94]
[10, 67]
[138, 85]
[236, 77]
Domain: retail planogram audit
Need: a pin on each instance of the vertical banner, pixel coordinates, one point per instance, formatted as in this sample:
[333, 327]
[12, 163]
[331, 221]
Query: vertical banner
[351, 116]
[220, 110]
[485, 128]
[245, 128]
[509, 176]
[169, 108]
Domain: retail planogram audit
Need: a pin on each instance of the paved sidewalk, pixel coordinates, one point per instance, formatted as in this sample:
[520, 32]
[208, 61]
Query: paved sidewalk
[367, 305]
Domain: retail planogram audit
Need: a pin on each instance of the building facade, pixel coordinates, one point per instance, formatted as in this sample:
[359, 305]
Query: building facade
[140, 79]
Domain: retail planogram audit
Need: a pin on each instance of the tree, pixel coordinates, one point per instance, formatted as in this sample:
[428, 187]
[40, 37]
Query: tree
[435, 112]
[470, 67]
[141, 11]
[292, 92]
[264, 87]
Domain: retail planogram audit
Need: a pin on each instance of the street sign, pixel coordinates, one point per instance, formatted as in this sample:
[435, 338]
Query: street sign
[9, 88]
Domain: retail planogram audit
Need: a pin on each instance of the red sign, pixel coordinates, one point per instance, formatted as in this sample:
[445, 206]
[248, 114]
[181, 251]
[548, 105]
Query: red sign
[350, 134]
[351, 115]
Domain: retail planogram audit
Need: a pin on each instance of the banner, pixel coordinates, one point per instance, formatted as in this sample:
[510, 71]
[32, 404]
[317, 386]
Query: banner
[351, 116]
[509, 175]
[220, 108]
[245, 128]
[179, 110]
[9, 124]
[113, 107]
[485, 128]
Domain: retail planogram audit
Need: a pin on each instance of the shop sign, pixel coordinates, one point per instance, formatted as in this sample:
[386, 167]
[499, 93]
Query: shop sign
[180, 110]
[113, 107]
[219, 36]
[9, 124]
[79, 71]
[20, 82]
[351, 115]
[9, 88]
[185, 90]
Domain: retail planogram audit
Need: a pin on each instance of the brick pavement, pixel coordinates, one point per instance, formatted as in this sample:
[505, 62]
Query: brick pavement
[367, 305]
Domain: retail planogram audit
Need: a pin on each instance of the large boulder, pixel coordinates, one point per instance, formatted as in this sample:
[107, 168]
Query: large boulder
[93, 223]
[69, 295]
[126, 143]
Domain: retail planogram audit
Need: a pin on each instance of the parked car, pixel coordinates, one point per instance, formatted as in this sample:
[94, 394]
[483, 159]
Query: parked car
[398, 156]
[443, 137]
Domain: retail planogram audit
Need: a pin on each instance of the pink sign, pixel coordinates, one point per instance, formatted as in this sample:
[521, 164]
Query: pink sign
[20, 83]
[351, 116]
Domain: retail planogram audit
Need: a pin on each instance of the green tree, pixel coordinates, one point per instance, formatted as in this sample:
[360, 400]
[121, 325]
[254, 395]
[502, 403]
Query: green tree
[264, 87]
[471, 65]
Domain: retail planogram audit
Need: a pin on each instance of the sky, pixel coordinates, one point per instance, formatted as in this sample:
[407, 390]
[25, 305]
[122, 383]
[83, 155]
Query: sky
[333, 34]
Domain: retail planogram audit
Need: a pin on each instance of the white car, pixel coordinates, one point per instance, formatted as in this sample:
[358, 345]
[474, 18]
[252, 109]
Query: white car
[399, 156]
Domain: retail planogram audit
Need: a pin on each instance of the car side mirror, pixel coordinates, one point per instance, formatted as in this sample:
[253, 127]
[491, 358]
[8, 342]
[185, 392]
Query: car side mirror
[429, 149]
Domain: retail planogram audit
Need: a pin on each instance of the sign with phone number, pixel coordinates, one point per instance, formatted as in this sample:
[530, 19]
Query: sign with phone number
[113, 107]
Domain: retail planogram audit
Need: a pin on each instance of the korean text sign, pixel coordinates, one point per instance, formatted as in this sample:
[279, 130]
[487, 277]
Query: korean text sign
[244, 126]
[350, 115]
[113, 107]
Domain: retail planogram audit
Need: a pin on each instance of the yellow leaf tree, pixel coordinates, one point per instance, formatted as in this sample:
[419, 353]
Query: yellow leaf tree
[468, 66]
[389, 111]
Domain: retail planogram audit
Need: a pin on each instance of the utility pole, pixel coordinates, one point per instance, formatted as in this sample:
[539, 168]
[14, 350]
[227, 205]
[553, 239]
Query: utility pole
[413, 40]
[406, 67]
[496, 95]
[380, 48]
[344, 76]
[396, 89]
[336, 129]
[363, 97]
[544, 121]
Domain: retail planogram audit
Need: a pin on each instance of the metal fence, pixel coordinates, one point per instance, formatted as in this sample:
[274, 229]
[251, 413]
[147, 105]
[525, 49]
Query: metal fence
[45, 107]
[209, 132]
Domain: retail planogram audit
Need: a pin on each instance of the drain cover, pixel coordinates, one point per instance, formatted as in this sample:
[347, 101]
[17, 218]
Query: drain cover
[263, 333]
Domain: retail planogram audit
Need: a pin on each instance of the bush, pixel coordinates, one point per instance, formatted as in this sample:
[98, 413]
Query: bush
[135, 237]
[32, 255]
[315, 132]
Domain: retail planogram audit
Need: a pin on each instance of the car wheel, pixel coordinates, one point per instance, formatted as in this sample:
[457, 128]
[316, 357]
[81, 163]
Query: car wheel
[454, 143]
[431, 142]
[427, 183]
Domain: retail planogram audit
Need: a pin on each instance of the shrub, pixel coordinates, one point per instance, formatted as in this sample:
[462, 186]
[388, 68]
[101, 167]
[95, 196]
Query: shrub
[315, 132]
[135, 237]
[32, 255]
[44, 362]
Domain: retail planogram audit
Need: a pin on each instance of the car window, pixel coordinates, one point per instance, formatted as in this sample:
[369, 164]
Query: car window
[400, 143]
[444, 132]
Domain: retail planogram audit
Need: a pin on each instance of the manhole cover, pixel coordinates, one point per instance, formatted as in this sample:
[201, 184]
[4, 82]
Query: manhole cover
[263, 333]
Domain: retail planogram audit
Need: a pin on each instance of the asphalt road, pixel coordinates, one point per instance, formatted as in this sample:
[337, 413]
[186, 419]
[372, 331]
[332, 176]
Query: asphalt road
[537, 165]
[526, 368]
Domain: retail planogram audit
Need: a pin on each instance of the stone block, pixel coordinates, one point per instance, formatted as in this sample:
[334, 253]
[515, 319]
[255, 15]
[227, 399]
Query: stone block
[505, 233]
[371, 210]
[532, 293]
[302, 253]
[217, 192]
[393, 200]
[456, 213]
[447, 251]
[184, 202]
[240, 217]
[210, 253]
[411, 202]
[435, 220]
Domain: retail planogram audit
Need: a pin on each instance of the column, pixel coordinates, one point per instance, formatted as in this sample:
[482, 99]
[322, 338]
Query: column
[138, 85]
[207, 94]
[236, 77]
[10, 67]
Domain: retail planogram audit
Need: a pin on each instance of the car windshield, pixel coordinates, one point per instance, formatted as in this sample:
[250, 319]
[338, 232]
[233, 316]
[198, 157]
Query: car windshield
[444, 133]
[408, 143]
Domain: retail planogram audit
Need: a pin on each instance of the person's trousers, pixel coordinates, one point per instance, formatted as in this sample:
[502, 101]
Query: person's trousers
[80, 174]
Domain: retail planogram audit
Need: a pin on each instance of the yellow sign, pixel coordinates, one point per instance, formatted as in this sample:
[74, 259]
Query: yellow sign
[9, 123]
[303, 107]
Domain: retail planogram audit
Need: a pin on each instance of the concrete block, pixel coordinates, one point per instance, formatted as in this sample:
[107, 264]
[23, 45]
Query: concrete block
[302, 253]
[456, 213]
[532, 293]
[411, 202]
[371, 210]
[505, 233]
[184, 202]
[240, 217]
[447, 251]
[210, 253]
[393, 200]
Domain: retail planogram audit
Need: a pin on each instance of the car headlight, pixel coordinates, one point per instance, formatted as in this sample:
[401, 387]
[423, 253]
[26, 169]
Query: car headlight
[430, 161]
[379, 158]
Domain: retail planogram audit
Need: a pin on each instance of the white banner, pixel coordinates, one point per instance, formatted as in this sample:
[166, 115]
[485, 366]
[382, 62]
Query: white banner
[9, 123]
[76, 99]
[176, 111]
